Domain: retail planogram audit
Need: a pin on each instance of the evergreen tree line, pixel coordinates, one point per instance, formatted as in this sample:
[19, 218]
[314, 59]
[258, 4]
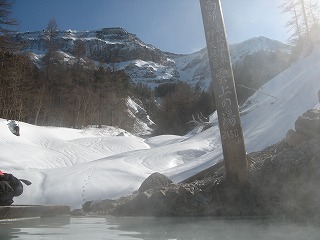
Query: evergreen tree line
[55, 93]
[180, 102]
[69, 96]
[79, 96]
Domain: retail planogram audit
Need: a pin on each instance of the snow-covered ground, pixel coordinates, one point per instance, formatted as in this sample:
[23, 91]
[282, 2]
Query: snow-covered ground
[68, 166]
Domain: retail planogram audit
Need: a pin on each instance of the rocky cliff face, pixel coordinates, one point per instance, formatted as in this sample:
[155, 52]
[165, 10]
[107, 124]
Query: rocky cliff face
[106, 45]
[255, 61]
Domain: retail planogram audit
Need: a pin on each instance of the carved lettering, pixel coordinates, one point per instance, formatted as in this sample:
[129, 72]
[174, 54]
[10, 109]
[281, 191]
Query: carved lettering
[224, 57]
[229, 119]
[231, 134]
[226, 103]
[224, 89]
[222, 76]
[211, 9]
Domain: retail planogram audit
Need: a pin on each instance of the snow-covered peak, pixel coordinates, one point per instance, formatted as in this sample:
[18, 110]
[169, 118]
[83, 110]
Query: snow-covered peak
[141, 61]
[114, 44]
[240, 50]
[194, 68]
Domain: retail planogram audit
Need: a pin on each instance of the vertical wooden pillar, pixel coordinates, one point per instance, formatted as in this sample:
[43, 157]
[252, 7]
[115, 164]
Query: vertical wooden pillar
[225, 93]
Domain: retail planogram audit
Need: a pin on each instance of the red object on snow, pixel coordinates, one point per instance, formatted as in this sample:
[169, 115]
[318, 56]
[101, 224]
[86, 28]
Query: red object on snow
[1, 173]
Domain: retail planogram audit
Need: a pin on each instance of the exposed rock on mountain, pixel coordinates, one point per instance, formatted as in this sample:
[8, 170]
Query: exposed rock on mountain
[107, 45]
[255, 61]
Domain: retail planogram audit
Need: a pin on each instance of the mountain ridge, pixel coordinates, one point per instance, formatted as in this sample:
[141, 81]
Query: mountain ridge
[144, 63]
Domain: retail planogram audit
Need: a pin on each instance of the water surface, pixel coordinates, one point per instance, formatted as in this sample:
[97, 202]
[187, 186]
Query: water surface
[103, 228]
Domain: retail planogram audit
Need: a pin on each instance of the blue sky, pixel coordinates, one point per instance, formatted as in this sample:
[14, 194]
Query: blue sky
[170, 25]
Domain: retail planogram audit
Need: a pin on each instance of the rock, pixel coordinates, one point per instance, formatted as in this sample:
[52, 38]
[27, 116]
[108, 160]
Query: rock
[288, 183]
[158, 203]
[294, 138]
[77, 212]
[86, 206]
[309, 123]
[137, 206]
[185, 192]
[201, 198]
[307, 126]
[155, 180]
[100, 206]
[171, 198]
[207, 188]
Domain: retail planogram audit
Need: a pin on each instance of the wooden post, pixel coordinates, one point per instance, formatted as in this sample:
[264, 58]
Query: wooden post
[234, 152]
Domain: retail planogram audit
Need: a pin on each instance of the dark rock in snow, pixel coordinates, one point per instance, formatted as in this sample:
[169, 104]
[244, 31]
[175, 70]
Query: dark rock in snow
[155, 180]
[307, 126]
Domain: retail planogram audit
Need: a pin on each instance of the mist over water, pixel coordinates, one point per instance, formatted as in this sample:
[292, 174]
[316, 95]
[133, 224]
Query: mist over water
[101, 228]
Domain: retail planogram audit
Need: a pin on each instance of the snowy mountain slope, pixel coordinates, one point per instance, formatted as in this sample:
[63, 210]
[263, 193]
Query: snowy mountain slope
[194, 68]
[241, 50]
[70, 166]
[294, 91]
[144, 63]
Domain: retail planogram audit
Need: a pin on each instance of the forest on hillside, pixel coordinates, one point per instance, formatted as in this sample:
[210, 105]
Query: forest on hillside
[56, 93]
[86, 93]
[77, 96]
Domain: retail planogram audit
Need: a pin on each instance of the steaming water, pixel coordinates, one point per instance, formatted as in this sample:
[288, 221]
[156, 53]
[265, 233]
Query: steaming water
[101, 228]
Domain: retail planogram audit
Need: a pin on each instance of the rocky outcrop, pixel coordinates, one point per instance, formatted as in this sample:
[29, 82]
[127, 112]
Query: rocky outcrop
[155, 180]
[107, 45]
[307, 127]
[287, 183]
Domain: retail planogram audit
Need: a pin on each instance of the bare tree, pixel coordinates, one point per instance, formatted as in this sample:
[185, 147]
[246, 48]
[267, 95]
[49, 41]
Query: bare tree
[79, 53]
[7, 25]
[314, 12]
[303, 15]
[16, 86]
[50, 35]
[305, 18]
[293, 24]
